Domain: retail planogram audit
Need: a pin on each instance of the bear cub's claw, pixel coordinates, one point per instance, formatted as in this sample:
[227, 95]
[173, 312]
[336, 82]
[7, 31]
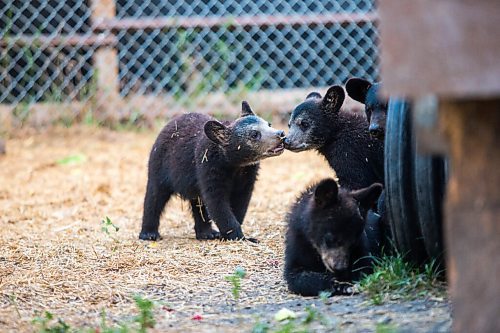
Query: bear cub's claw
[251, 239]
[343, 288]
[151, 235]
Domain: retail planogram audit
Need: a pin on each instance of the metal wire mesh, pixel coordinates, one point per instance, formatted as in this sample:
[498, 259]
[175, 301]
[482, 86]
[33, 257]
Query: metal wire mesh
[179, 50]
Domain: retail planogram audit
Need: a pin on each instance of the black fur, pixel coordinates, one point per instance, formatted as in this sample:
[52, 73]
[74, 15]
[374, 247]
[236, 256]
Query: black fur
[213, 165]
[327, 240]
[367, 93]
[342, 137]
[376, 107]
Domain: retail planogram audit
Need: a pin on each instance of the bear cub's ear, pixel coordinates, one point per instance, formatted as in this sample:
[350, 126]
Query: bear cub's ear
[217, 132]
[246, 110]
[314, 94]
[369, 195]
[334, 99]
[326, 193]
[357, 89]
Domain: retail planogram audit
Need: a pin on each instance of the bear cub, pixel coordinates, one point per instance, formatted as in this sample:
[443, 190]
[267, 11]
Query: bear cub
[367, 93]
[328, 241]
[211, 164]
[341, 137]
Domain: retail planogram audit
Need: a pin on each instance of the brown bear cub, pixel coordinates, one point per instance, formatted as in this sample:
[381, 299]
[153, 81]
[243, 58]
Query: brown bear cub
[214, 165]
[328, 240]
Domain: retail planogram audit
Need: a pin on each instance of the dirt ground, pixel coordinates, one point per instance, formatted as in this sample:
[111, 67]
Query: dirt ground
[57, 186]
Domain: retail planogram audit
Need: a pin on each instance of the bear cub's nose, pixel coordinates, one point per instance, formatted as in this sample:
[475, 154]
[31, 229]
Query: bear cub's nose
[281, 135]
[375, 130]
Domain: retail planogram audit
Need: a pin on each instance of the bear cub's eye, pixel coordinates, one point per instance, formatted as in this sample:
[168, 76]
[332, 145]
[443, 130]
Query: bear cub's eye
[255, 135]
[329, 240]
[303, 124]
[269, 124]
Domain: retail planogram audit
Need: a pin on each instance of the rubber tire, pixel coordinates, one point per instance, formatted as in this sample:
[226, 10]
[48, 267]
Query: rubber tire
[399, 183]
[430, 182]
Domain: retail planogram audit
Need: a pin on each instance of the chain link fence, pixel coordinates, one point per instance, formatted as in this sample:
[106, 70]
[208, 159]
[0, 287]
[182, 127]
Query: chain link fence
[142, 56]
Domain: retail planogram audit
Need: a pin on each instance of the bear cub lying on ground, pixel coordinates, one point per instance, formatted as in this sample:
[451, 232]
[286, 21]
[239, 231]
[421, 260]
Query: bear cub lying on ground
[328, 241]
[213, 165]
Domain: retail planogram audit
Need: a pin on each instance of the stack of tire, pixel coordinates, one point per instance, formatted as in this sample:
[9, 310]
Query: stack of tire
[414, 189]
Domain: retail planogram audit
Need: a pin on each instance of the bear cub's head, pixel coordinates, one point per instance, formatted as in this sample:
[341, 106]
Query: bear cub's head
[311, 121]
[337, 221]
[246, 140]
[367, 93]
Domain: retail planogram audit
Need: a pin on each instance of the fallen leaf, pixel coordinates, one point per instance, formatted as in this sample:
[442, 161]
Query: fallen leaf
[197, 317]
[284, 314]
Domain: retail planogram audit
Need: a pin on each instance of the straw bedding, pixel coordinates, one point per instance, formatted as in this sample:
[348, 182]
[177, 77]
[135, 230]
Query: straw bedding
[57, 186]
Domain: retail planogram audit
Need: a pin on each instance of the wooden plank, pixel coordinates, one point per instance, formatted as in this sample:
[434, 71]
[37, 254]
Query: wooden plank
[472, 210]
[106, 61]
[93, 40]
[202, 22]
[448, 48]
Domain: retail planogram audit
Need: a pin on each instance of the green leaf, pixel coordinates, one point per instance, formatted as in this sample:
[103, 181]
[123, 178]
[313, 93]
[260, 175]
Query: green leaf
[72, 159]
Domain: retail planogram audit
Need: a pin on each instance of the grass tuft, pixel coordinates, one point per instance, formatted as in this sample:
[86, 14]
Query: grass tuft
[394, 278]
[145, 318]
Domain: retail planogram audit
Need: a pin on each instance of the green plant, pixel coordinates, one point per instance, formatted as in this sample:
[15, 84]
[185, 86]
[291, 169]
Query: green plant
[72, 159]
[385, 328]
[46, 324]
[260, 327]
[235, 280]
[394, 278]
[107, 224]
[145, 318]
[324, 295]
[21, 112]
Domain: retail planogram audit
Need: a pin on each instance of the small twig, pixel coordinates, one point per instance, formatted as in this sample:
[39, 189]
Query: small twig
[176, 132]
[12, 299]
[205, 158]
[95, 252]
[200, 205]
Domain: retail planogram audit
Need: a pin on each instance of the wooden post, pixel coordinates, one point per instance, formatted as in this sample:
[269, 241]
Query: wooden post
[450, 49]
[105, 58]
[472, 210]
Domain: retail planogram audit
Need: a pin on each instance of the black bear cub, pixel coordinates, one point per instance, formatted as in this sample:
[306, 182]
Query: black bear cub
[341, 137]
[367, 93]
[328, 241]
[214, 165]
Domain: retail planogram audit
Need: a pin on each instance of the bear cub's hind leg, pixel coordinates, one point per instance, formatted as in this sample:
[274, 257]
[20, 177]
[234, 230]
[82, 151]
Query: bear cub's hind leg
[154, 202]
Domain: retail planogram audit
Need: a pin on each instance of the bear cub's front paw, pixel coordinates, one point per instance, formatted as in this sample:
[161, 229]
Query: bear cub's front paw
[207, 234]
[234, 233]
